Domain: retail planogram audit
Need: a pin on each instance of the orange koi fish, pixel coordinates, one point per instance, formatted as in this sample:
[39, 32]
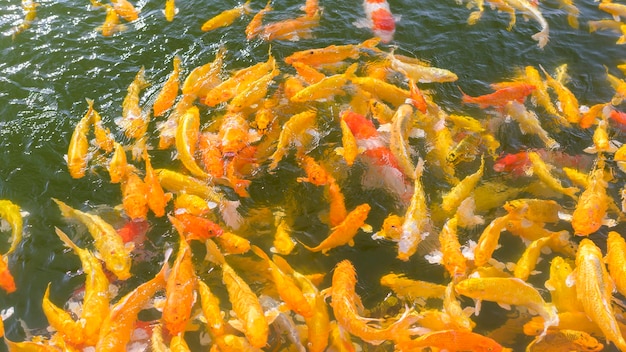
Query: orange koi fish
[111, 23]
[118, 325]
[500, 97]
[286, 287]
[307, 73]
[7, 282]
[125, 9]
[234, 135]
[232, 243]
[196, 227]
[508, 291]
[156, 198]
[134, 192]
[316, 174]
[345, 301]
[255, 26]
[569, 103]
[292, 29]
[344, 233]
[226, 18]
[379, 19]
[118, 165]
[538, 210]
[176, 182]
[593, 289]
[134, 121]
[167, 95]
[203, 78]
[96, 300]
[212, 158]
[77, 156]
[413, 290]
[70, 330]
[104, 138]
[179, 287]
[244, 302]
[169, 11]
[338, 211]
[331, 54]
[451, 256]
[108, 242]
[453, 340]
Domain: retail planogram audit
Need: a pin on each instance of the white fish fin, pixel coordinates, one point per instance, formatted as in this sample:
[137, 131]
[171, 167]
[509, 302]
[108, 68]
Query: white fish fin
[230, 214]
[591, 150]
[609, 222]
[435, 257]
[510, 266]
[236, 324]
[367, 228]
[377, 236]
[362, 23]
[565, 216]
[617, 18]
[504, 306]
[477, 306]
[535, 272]
[417, 133]
[548, 285]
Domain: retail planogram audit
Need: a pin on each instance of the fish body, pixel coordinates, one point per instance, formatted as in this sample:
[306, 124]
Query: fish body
[255, 26]
[616, 259]
[501, 97]
[292, 130]
[211, 309]
[179, 287]
[564, 341]
[462, 190]
[344, 232]
[62, 321]
[7, 282]
[202, 79]
[165, 100]
[286, 287]
[331, 54]
[452, 257]
[488, 240]
[590, 211]
[527, 262]
[453, 340]
[528, 122]
[511, 291]
[111, 23]
[108, 242]
[118, 325]
[593, 289]
[156, 198]
[563, 296]
[416, 226]
[169, 12]
[226, 18]
[382, 90]
[134, 192]
[420, 72]
[398, 142]
[251, 96]
[187, 134]
[379, 19]
[411, 289]
[538, 210]
[325, 88]
[530, 9]
[11, 213]
[292, 29]
[336, 199]
[134, 122]
[345, 301]
[315, 173]
[569, 107]
[349, 148]
[118, 165]
[617, 10]
[77, 156]
[125, 9]
[542, 170]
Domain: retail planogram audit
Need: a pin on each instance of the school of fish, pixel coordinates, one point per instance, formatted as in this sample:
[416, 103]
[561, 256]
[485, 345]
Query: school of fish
[229, 278]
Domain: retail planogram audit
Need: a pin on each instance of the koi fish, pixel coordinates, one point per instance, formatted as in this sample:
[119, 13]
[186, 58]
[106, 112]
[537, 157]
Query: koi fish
[125, 9]
[186, 141]
[134, 192]
[134, 122]
[111, 23]
[453, 340]
[96, 300]
[7, 282]
[569, 106]
[156, 198]
[108, 242]
[325, 88]
[593, 289]
[62, 321]
[615, 9]
[337, 211]
[30, 9]
[345, 231]
[349, 148]
[179, 287]
[118, 325]
[417, 225]
[255, 26]
[12, 214]
[345, 300]
[615, 259]
[590, 212]
[170, 11]
[210, 304]
[293, 130]
[542, 170]
[452, 200]
[508, 291]
[227, 17]
[488, 240]
[528, 122]
[526, 264]
[420, 71]
[500, 97]
[202, 79]
[331, 54]
[244, 302]
[563, 296]
[379, 19]
[104, 138]
[398, 142]
[410, 289]
[286, 287]
[538, 210]
[167, 95]
[451, 255]
[292, 29]
[77, 156]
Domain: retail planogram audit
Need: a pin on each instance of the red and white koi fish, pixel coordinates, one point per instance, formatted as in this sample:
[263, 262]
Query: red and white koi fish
[379, 18]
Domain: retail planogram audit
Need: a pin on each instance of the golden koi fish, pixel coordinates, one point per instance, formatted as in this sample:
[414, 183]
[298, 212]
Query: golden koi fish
[226, 18]
[11, 213]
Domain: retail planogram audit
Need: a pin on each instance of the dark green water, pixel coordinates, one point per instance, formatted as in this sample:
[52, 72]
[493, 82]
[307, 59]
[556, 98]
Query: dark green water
[47, 72]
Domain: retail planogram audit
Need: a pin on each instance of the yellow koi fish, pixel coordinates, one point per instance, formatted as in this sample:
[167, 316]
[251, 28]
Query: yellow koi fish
[417, 225]
[325, 88]
[542, 170]
[125, 9]
[77, 156]
[170, 11]
[134, 122]
[202, 79]
[167, 95]
[294, 129]
[616, 259]
[345, 232]
[593, 289]
[565, 341]
[11, 213]
[563, 296]
[111, 23]
[569, 103]
[592, 205]
[508, 291]
[187, 134]
[419, 71]
[413, 290]
[462, 190]
[398, 142]
[108, 242]
[226, 18]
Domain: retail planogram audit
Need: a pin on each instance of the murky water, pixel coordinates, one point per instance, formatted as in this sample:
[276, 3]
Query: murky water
[48, 71]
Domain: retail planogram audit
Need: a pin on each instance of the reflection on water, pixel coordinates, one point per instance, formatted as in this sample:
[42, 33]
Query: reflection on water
[49, 70]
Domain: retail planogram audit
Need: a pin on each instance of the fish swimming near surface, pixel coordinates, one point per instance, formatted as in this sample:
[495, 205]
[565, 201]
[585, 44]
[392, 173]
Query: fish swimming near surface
[379, 19]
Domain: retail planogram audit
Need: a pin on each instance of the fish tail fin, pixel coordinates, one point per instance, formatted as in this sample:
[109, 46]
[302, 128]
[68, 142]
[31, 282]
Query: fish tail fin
[258, 251]
[246, 7]
[66, 210]
[351, 70]
[370, 43]
[66, 239]
[230, 214]
[464, 97]
[621, 40]
[541, 38]
[312, 249]
[213, 253]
